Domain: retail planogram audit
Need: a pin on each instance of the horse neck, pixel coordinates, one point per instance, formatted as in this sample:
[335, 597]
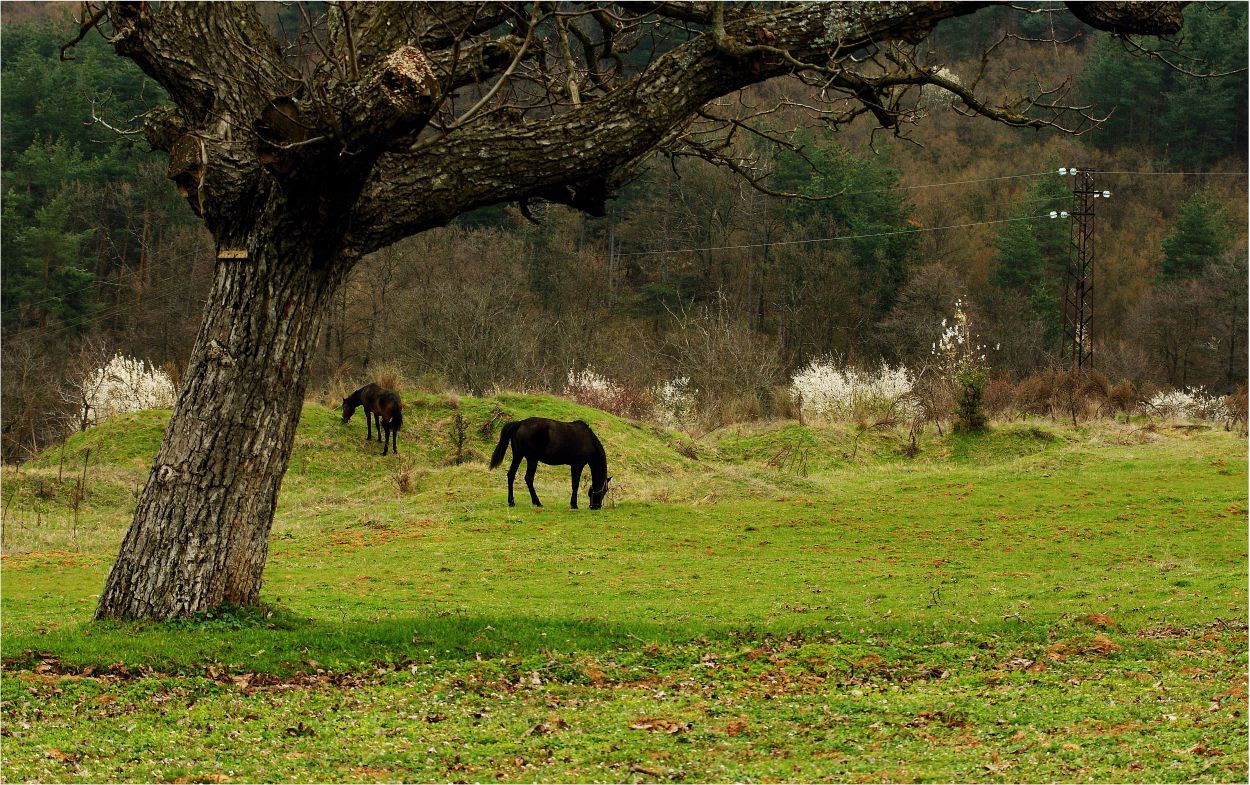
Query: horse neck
[598, 464]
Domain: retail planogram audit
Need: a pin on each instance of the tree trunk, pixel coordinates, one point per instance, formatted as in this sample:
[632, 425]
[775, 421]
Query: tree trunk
[200, 533]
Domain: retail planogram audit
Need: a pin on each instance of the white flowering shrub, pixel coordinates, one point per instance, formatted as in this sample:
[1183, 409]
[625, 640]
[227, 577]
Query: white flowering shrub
[826, 392]
[1193, 404]
[961, 360]
[124, 385]
[957, 349]
[676, 401]
[593, 389]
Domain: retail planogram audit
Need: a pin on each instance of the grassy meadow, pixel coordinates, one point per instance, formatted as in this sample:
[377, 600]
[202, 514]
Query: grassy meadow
[769, 602]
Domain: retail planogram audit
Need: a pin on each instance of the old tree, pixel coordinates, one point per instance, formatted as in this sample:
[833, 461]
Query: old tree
[304, 150]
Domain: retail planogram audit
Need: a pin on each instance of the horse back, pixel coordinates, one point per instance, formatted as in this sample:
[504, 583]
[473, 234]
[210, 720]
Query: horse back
[387, 405]
[369, 394]
[554, 442]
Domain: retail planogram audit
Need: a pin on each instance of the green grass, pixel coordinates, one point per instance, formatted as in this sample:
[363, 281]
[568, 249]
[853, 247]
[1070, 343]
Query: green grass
[790, 603]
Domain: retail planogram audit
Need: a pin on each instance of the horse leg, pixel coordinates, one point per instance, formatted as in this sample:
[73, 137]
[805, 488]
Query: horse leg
[395, 441]
[516, 461]
[577, 479]
[531, 466]
[386, 435]
[368, 425]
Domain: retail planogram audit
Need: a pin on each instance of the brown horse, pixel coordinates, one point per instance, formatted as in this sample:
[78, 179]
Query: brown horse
[381, 405]
[559, 444]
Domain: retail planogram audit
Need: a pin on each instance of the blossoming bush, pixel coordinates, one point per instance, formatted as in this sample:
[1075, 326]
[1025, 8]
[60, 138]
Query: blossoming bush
[1193, 404]
[676, 402]
[962, 361]
[826, 392]
[124, 385]
[592, 389]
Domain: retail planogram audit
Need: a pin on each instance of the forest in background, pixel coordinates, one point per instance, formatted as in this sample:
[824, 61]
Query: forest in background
[692, 273]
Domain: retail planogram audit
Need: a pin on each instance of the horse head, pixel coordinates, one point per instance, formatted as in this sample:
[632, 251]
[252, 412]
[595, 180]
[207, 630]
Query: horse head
[349, 408]
[597, 494]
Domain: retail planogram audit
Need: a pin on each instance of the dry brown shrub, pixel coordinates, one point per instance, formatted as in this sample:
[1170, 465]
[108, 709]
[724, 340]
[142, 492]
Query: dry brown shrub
[174, 370]
[784, 405]
[1067, 397]
[1149, 391]
[1034, 394]
[1124, 397]
[340, 384]
[1096, 390]
[1236, 405]
[731, 409]
[935, 397]
[999, 397]
[688, 449]
[389, 376]
[404, 475]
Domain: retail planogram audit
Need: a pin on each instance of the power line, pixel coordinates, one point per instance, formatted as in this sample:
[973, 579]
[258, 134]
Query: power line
[98, 283]
[952, 182]
[1203, 174]
[1016, 177]
[155, 292]
[838, 237]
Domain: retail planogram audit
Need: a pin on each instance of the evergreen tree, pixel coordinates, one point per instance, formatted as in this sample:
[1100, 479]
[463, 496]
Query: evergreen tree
[44, 269]
[1191, 121]
[1205, 119]
[1032, 255]
[1202, 235]
[866, 205]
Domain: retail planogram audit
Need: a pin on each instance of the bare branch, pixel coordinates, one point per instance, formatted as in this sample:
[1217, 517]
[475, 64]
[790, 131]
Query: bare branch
[90, 21]
[1135, 48]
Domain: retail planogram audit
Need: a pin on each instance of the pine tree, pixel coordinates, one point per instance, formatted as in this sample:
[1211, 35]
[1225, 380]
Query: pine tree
[1201, 236]
[866, 206]
[1032, 256]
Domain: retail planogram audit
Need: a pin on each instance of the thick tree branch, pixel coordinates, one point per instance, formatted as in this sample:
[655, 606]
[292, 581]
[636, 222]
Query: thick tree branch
[432, 184]
[442, 179]
[209, 57]
[1130, 18]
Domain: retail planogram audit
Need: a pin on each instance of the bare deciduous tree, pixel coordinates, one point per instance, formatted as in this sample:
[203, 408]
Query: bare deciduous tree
[380, 121]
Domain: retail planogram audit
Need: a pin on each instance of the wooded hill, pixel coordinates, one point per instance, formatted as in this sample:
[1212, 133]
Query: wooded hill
[692, 272]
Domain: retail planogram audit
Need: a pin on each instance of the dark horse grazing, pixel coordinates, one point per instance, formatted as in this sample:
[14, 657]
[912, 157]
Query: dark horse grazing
[381, 405]
[557, 443]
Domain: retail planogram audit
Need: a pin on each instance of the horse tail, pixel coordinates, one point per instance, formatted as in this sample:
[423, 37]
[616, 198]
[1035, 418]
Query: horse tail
[505, 436]
[397, 419]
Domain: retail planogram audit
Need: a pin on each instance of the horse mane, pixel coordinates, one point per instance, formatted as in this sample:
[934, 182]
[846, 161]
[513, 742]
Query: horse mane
[600, 453]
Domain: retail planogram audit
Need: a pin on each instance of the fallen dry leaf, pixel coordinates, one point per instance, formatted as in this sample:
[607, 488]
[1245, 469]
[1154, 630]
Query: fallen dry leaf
[1100, 620]
[552, 725]
[657, 724]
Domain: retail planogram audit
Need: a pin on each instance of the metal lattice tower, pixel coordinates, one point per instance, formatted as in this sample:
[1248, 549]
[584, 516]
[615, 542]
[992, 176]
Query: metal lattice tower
[1078, 345]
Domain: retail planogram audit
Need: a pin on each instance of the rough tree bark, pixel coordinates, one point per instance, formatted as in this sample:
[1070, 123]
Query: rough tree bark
[401, 117]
